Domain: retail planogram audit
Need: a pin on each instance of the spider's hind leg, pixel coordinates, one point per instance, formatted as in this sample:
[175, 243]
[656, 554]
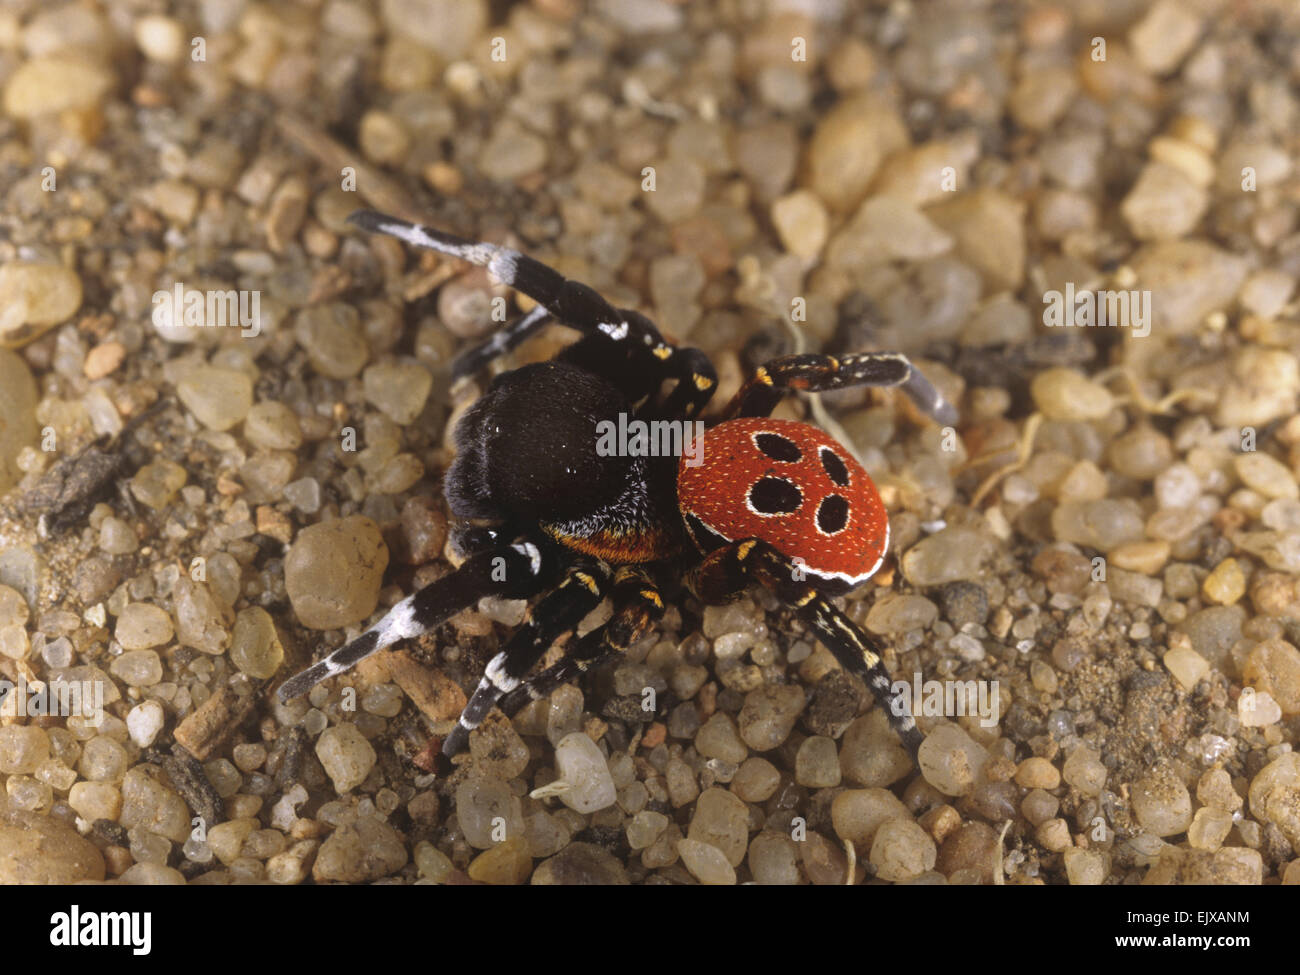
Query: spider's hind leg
[637, 607]
[512, 571]
[555, 614]
[723, 572]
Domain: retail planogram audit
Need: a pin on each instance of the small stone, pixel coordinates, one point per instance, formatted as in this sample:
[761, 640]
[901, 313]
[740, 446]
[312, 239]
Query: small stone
[989, 229]
[848, 146]
[769, 714]
[581, 864]
[706, 863]
[1164, 204]
[1162, 803]
[38, 849]
[22, 749]
[1258, 710]
[255, 647]
[870, 752]
[1188, 280]
[1209, 828]
[1262, 473]
[138, 668]
[679, 189]
[1066, 394]
[1226, 584]
[773, 859]
[1037, 773]
[717, 738]
[801, 222]
[755, 780]
[487, 811]
[1104, 524]
[1273, 668]
[383, 138]
[334, 570]
[103, 359]
[201, 618]
[722, 821]
[360, 853]
[644, 828]
[141, 626]
[1164, 36]
[346, 756]
[96, 800]
[858, 813]
[1086, 868]
[446, 27]
[951, 760]
[1083, 770]
[506, 863]
[1187, 666]
[950, 555]
[156, 483]
[1275, 795]
[902, 850]
[219, 398]
[160, 38]
[35, 297]
[511, 152]
[896, 612]
[333, 339]
[144, 722]
[55, 83]
[150, 805]
[578, 762]
[817, 765]
[399, 389]
[273, 426]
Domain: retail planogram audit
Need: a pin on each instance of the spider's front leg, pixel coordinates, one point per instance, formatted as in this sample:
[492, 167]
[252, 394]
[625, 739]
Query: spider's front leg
[516, 571]
[638, 606]
[730, 569]
[617, 343]
[816, 373]
[555, 614]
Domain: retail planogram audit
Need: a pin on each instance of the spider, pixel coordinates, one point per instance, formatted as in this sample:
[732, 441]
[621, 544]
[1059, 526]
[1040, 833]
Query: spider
[541, 512]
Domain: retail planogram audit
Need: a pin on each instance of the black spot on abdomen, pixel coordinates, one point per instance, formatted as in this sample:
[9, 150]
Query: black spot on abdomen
[778, 447]
[835, 468]
[832, 514]
[775, 496]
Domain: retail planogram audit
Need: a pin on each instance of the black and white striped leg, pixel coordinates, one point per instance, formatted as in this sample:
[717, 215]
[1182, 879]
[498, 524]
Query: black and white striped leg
[627, 336]
[638, 606]
[817, 373]
[499, 343]
[857, 651]
[556, 613]
[511, 571]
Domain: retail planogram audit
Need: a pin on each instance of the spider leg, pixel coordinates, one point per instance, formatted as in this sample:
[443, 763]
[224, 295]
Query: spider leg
[559, 611]
[629, 335]
[727, 570]
[513, 571]
[817, 373]
[473, 359]
[637, 607]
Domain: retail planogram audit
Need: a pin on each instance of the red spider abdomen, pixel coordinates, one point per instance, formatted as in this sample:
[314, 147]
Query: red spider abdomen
[792, 486]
